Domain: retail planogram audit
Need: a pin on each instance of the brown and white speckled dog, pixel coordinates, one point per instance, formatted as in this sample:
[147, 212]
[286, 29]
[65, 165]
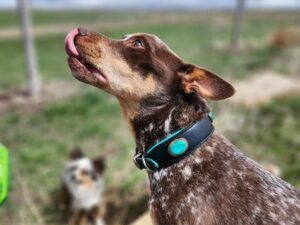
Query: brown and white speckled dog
[82, 189]
[159, 93]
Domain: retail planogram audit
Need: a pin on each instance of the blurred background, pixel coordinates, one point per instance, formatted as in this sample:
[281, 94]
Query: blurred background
[44, 111]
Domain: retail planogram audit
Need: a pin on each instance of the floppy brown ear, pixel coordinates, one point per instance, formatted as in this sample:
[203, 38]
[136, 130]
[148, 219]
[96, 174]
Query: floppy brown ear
[99, 164]
[76, 153]
[205, 83]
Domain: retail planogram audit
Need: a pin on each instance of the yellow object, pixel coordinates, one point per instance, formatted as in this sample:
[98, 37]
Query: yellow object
[145, 219]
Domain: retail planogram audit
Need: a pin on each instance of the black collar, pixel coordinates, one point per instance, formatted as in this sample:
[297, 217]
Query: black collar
[176, 146]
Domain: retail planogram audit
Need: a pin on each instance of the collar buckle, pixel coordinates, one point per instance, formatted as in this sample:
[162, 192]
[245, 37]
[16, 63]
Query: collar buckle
[143, 163]
[136, 161]
[146, 165]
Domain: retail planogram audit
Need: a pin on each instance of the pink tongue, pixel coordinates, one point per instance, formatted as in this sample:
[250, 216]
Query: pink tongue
[69, 43]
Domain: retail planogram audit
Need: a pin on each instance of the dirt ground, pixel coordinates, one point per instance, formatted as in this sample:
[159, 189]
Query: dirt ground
[263, 87]
[19, 99]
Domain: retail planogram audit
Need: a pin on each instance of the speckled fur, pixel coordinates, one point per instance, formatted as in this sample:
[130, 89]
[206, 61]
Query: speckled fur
[159, 93]
[215, 185]
[219, 185]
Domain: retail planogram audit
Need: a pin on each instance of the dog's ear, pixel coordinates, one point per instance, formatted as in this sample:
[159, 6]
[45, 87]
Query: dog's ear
[76, 153]
[194, 79]
[99, 164]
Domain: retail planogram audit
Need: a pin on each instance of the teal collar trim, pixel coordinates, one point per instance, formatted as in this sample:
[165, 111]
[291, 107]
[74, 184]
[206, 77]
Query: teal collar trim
[164, 140]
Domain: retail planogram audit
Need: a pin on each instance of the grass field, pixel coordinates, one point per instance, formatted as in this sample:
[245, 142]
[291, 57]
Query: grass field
[192, 40]
[40, 138]
[10, 18]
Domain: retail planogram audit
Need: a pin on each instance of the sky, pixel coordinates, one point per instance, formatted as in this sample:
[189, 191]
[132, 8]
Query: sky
[155, 4]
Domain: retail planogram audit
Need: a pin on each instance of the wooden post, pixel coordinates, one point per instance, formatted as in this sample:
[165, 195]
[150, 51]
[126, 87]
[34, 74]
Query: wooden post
[33, 80]
[237, 23]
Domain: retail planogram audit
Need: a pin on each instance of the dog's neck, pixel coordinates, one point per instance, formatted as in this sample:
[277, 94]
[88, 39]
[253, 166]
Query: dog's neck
[150, 128]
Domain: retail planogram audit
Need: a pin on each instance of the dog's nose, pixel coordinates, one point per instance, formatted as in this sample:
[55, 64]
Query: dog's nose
[82, 31]
[73, 177]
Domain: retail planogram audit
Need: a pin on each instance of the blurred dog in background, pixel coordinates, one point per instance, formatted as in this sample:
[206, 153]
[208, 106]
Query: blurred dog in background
[82, 188]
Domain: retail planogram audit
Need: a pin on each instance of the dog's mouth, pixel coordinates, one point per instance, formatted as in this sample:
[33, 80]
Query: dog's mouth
[80, 67]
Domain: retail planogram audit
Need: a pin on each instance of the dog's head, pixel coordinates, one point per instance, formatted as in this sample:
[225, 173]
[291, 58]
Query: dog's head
[80, 170]
[138, 67]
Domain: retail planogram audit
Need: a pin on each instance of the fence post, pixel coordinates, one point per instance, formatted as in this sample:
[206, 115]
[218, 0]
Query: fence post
[33, 80]
[237, 23]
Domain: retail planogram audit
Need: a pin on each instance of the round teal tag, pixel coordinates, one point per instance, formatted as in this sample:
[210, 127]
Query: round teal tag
[178, 147]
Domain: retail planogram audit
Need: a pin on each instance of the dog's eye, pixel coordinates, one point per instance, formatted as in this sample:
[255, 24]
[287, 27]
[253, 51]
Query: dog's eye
[85, 172]
[72, 168]
[138, 44]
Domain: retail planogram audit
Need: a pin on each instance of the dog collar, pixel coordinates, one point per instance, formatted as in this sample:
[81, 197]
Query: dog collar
[176, 146]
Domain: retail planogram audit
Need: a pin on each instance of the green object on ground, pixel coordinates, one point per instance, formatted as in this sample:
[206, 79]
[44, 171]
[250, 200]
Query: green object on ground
[4, 174]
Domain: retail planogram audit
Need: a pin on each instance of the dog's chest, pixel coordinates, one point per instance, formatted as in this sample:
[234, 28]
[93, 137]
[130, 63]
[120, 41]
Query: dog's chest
[86, 197]
[170, 198]
[228, 189]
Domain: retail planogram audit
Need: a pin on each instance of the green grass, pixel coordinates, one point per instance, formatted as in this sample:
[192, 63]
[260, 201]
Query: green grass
[84, 120]
[191, 40]
[10, 18]
[39, 144]
[39, 139]
[271, 133]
